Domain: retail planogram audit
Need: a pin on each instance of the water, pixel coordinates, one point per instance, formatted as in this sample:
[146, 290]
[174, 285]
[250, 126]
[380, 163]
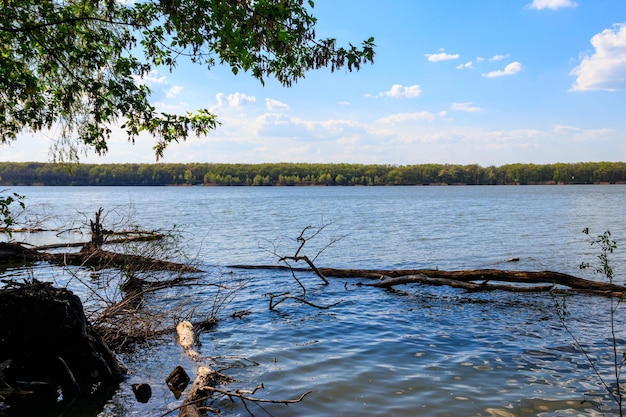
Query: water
[412, 351]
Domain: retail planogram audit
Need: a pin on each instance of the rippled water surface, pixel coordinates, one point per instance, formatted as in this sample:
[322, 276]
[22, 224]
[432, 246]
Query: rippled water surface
[416, 350]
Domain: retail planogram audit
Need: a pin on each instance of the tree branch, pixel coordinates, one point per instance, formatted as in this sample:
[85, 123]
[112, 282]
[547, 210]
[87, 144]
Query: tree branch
[36, 27]
[244, 397]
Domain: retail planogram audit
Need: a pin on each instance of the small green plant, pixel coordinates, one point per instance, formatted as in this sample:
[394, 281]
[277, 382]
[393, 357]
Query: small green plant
[607, 246]
[6, 217]
[603, 267]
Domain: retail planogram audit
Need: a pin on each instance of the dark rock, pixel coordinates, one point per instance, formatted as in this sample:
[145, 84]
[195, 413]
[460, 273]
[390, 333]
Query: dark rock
[177, 381]
[143, 392]
[48, 350]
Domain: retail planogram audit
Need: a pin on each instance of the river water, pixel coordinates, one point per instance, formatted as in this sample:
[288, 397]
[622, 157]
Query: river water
[415, 350]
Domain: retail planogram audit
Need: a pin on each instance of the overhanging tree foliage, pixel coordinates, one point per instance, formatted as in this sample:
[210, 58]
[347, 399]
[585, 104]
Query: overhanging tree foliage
[6, 218]
[74, 65]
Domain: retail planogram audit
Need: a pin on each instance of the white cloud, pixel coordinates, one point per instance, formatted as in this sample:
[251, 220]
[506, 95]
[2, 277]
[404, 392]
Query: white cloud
[605, 69]
[281, 125]
[172, 107]
[338, 125]
[498, 57]
[467, 107]
[468, 64]
[174, 91]
[344, 103]
[402, 117]
[153, 77]
[275, 105]
[511, 69]
[274, 124]
[400, 91]
[441, 56]
[235, 100]
[471, 64]
[551, 4]
[582, 135]
[278, 137]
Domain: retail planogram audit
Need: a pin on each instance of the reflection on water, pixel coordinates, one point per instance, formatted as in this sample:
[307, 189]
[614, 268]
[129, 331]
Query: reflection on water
[416, 350]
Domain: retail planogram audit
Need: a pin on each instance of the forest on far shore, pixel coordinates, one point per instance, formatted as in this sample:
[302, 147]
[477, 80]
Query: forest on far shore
[286, 174]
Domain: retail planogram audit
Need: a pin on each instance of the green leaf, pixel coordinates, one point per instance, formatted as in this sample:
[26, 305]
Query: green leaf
[71, 65]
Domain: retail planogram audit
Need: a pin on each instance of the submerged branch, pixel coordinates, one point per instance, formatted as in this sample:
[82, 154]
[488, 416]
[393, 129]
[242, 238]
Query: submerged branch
[285, 296]
[245, 397]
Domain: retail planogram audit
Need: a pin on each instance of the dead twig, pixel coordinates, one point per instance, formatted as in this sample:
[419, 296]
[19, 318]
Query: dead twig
[245, 397]
[197, 401]
[285, 296]
[308, 261]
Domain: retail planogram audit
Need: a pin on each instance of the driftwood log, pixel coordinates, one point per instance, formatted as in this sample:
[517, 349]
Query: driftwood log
[205, 376]
[187, 339]
[197, 395]
[471, 280]
[186, 336]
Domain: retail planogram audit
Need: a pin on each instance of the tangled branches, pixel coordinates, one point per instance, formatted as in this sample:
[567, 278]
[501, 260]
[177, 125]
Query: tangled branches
[306, 235]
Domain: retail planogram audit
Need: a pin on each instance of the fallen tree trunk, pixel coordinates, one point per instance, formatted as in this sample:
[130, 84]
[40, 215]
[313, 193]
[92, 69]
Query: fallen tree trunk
[471, 280]
[479, 279]
[138, 237]
[388, 282]
[487, 275]
[105, 259]
[97, 259]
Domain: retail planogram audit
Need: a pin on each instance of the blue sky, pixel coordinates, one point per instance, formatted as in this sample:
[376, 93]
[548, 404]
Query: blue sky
[486, 81]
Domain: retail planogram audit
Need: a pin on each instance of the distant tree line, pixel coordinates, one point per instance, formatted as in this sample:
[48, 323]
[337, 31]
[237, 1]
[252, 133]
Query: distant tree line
[36, 173]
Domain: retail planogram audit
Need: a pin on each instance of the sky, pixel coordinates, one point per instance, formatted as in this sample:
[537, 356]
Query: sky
[487, 82]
